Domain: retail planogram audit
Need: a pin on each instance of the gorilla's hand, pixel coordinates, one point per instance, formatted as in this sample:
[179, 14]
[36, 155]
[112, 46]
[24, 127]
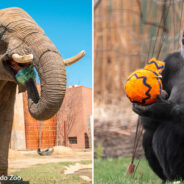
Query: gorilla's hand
[164, 94]
[142, 110]
[160, 109]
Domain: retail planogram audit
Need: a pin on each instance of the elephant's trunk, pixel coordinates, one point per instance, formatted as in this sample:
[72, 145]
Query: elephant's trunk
[51, 70]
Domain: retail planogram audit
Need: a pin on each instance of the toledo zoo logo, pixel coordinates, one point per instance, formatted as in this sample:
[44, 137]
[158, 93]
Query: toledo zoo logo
[10, 178]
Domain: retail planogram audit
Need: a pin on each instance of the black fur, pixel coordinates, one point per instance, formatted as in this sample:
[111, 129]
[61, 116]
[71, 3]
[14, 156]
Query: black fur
[163, 121]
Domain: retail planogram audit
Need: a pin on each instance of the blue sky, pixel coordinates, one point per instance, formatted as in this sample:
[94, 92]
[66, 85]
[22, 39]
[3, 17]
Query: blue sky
[68, 23]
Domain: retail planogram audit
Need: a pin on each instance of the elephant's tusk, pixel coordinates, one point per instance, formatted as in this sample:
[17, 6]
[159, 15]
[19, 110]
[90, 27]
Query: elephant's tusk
[22, 59]
[74, 59]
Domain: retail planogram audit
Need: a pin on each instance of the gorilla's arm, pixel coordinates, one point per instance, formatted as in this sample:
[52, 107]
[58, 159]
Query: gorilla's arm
[162, 109]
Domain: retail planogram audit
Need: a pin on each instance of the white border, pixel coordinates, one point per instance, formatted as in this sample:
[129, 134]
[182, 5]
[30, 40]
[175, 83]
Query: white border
[92, 131]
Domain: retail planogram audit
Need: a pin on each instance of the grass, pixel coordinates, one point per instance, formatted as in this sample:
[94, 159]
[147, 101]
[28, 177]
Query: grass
[113, 171]
[52, 173]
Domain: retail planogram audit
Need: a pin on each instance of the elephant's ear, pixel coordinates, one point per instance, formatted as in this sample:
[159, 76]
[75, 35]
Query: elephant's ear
[21, 88]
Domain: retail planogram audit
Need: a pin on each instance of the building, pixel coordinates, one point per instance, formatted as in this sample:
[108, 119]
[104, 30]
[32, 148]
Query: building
[69, 127]
[74, 117]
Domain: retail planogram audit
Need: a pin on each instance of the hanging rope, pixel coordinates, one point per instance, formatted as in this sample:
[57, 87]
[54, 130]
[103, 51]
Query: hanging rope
[138, 134]
[43, 152]
[136, 140]
[156, 36]
[162, 40]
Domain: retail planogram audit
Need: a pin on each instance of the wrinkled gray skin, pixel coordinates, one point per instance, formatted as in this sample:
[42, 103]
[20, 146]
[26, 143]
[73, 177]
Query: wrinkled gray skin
[20, 34]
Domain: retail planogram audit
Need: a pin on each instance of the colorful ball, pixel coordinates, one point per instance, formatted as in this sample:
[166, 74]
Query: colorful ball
[143, 86]
[155, 65]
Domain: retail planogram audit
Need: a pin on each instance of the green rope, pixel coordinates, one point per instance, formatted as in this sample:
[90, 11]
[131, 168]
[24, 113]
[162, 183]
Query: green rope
[25, 74]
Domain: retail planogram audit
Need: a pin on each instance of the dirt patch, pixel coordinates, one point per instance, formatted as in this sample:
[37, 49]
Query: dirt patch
[73, 168]
[62, 150]
[85, 174]
[84, 171]
[14, 155]
[24, 159]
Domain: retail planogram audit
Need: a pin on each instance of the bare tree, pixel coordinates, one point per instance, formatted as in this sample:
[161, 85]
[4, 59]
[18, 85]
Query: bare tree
[67, 117]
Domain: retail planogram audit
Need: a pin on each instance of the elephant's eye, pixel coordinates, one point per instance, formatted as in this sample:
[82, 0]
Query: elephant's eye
[17, 66]
[3, 47]
[13, 67]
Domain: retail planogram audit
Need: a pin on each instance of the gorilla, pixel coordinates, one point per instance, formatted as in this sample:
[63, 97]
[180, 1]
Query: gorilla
[163, 121]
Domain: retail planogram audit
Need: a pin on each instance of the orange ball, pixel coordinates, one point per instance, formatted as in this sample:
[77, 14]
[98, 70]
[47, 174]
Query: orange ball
[143, 86]
[155, 65]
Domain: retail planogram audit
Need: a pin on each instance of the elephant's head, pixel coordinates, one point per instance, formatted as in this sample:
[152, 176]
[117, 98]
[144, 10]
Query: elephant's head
[23, 42]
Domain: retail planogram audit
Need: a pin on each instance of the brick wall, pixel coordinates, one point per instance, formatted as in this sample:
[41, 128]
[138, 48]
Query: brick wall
[33, 127]
[73, 117]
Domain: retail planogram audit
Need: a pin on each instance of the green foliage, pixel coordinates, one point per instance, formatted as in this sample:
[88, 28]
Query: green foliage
[113, 171]
[99, 150]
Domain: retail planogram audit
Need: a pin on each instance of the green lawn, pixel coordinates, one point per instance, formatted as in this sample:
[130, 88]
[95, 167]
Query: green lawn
[52, 173]
[113, 171]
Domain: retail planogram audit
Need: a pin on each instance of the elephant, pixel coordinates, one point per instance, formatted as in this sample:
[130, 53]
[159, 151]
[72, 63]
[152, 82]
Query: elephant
[22, 43]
